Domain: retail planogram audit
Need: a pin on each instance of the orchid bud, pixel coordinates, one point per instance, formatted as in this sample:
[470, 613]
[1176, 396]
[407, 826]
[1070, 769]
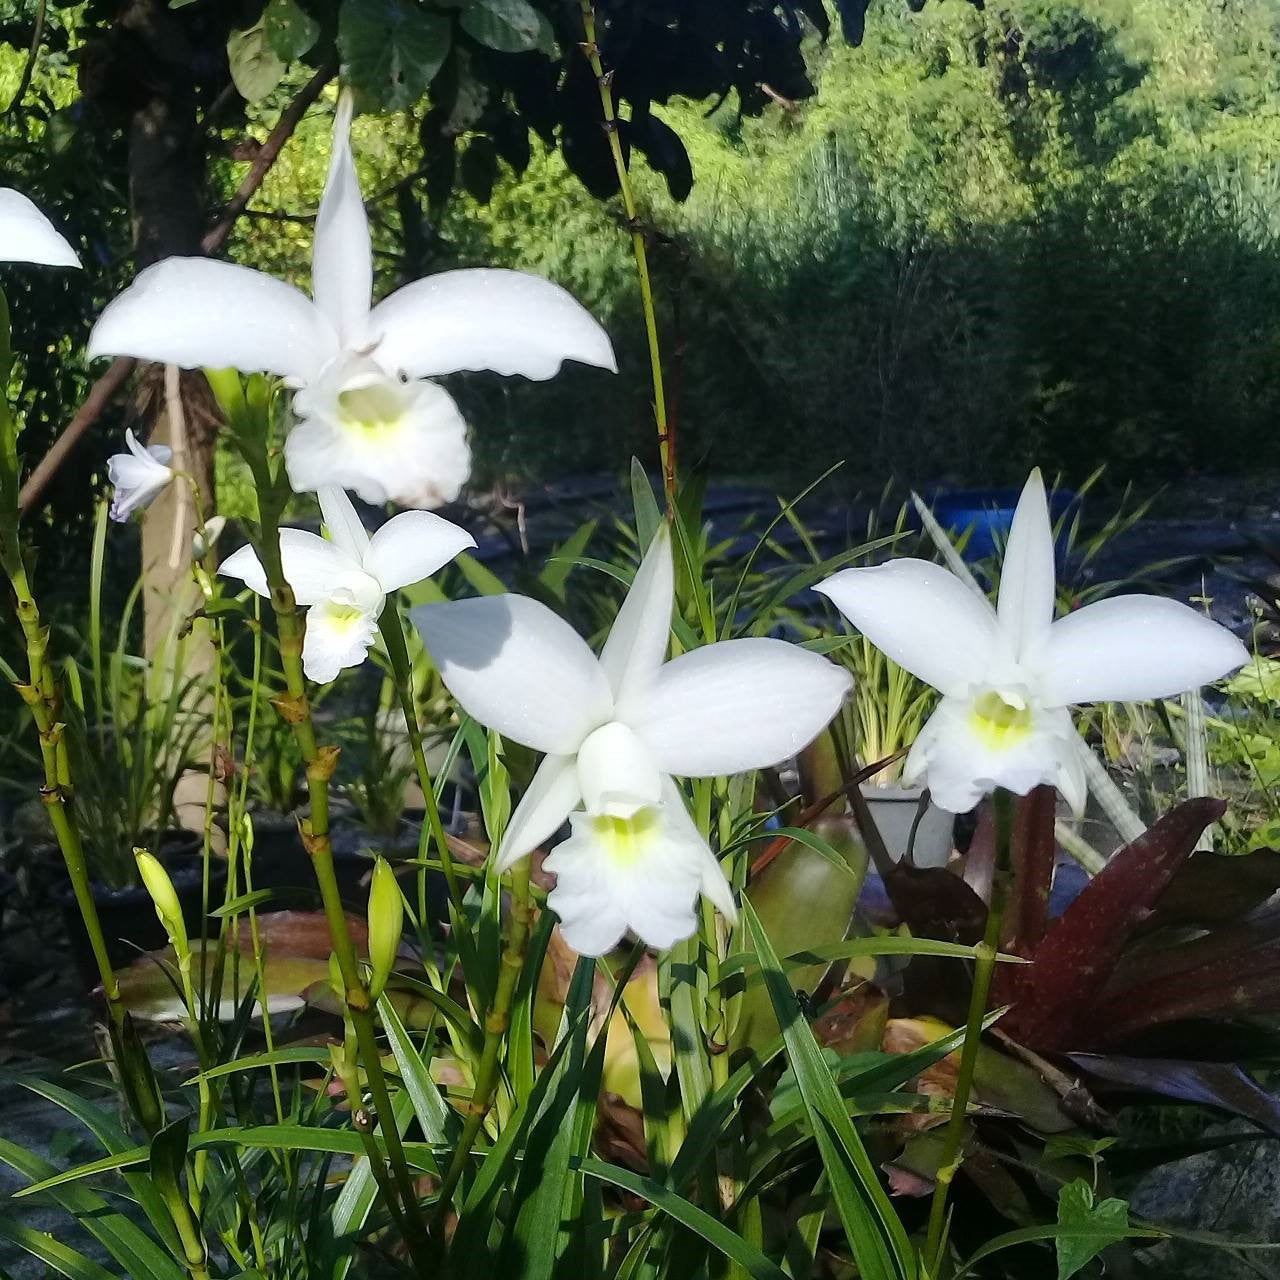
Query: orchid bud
[157, 883]
[386, 923]
[203, 540]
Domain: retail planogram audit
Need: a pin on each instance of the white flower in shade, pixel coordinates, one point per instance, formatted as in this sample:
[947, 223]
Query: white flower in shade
[1008, 675]
[369, 419]
[26, 235]
[615, 730]
[139, 476]
[344, 582]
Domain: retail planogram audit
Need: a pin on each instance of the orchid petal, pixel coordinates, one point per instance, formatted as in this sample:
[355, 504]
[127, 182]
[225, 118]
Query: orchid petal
[611, 876]
[412, 546]
[346, 529]
[340, 630]
[1027, 575]
[1073, 781]
[415, 455]
[517, 668]
[961, 764]
[637, 642]
[313, 567]
[342, 264]
[617, 773]
[714, 883]
[26, 235]
[485, 318]
[551, 795]
[1131, 648]
[200, 313]
[922, 617]
[738, 705]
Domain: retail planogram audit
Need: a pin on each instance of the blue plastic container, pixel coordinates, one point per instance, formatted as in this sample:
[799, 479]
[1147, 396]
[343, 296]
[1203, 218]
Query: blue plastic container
[989, 513]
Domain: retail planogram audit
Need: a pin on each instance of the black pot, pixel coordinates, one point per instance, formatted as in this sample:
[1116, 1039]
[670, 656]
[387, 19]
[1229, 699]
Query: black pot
[281, 863]
[128, 916]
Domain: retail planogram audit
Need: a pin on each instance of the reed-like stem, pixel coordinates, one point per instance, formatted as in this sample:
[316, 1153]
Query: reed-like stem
[604, 79]
[497, 1020]
[319, 762]
[983, 970]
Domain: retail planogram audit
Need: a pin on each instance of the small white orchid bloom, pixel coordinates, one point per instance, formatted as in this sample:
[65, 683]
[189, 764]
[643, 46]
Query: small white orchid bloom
[344, 583]
[139, 476]
[1008, 675]
[369, 418]
[615, 730]
[26, 235]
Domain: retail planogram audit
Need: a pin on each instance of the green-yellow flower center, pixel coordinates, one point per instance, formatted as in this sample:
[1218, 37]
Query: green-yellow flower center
[342, 615]
[625, 840]
[1000, 719]
[373, 409]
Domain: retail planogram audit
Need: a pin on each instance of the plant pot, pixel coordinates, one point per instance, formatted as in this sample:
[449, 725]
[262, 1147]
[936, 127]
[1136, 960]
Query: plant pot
[894, 810]
[282, 864]
[128, 916]
[989, 514]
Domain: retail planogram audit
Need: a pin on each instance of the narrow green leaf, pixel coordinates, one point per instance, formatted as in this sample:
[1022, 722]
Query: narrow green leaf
[275, 1058]
[876, 1236]
[648, 513]
[52, 1252]
[242, 903]
[436, 1118]
[715, 1233]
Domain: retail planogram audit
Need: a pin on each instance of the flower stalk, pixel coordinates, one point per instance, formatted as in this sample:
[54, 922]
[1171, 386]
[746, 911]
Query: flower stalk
[604, 79]
[984, 968]
[496, 1021]
[320, 762]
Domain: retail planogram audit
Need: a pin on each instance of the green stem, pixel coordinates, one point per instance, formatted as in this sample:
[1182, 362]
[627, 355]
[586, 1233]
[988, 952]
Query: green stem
[666, 435]
[983, 970]
[41, 695]
[320, 762]
[496, 1022]
[392, 628]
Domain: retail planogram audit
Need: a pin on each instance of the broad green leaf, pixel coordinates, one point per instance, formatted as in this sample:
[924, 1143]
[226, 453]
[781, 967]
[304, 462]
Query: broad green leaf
[391, 49]
[715, 1233]
[509, 26]
[876, 1236]
[1077, 1208]
[255, 67]
[484, 581]
[290, 30]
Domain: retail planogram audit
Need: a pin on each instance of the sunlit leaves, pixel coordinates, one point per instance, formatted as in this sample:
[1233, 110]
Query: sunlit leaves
[391, 49]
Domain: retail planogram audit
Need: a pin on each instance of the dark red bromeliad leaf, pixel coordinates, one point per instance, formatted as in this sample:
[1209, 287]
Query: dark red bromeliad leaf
[1217, 1084]
[1055, 1005]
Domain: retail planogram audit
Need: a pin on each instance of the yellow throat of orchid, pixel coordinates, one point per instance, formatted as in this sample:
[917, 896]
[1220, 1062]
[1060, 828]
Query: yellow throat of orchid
[1000, 718]
[624, 840]
[372, 409]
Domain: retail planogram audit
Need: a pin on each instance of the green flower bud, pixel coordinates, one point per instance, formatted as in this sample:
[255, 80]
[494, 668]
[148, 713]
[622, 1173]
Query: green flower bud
[156, 881]
[386, 923]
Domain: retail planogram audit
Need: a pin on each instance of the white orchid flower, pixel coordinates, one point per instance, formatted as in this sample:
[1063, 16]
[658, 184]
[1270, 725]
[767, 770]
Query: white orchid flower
[370, 419]
[615, 730]
[26, 235]
[139, 476]
[344, 583]
[1008, 675]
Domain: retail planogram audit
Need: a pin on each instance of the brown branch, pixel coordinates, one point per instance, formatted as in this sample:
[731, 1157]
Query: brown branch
[266, 157]
[105, 388]
[100, 395]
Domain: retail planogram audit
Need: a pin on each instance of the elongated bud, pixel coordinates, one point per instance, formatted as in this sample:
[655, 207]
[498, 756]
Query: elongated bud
[157, 883]
[386, 923]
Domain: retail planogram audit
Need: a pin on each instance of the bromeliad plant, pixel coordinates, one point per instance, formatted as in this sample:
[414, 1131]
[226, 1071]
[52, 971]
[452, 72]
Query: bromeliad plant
[448, 1124]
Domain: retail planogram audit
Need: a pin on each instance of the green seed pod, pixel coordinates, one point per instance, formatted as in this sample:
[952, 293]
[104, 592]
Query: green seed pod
[386, 923]
[157, 883]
